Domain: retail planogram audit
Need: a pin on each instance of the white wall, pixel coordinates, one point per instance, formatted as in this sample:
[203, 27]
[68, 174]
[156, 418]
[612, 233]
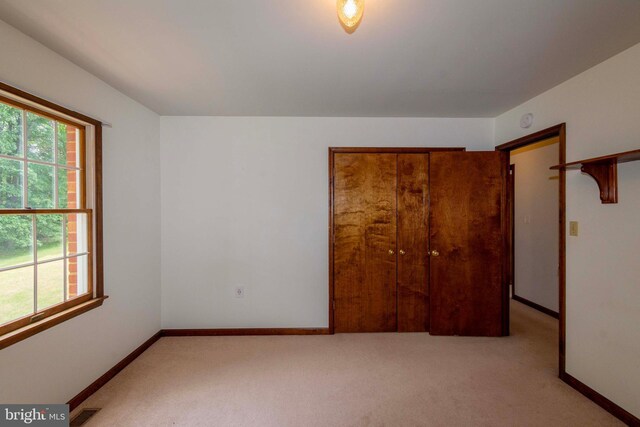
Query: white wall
[536, 223]
[245, 203]
[53, 366]
[600, 107]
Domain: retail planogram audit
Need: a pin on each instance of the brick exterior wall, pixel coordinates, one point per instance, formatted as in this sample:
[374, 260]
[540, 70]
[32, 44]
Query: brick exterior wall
[72, 223]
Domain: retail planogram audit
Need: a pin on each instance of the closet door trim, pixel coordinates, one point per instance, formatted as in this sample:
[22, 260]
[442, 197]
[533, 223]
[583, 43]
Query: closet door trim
[390, 150]
[380, 150]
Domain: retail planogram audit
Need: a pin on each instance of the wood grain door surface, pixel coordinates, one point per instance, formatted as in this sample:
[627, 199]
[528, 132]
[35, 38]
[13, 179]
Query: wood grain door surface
[390, 212]
[365, 258]
[413, 242]
[466, 231]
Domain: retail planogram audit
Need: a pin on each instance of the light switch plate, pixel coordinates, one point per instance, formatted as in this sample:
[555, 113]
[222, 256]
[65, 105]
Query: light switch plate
[573, 228]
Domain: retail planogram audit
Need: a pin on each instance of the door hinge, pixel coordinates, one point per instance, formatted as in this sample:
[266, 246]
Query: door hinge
[334, 305]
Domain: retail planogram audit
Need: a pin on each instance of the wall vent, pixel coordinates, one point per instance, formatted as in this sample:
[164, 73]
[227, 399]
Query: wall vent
[84, 416]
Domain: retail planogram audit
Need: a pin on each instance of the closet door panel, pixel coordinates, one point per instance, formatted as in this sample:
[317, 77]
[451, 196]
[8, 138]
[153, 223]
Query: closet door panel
[413, 243]
[365, 242]
[467, 201]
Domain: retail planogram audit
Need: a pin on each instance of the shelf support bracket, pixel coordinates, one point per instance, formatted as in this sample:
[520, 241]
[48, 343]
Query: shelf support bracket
[606, 175]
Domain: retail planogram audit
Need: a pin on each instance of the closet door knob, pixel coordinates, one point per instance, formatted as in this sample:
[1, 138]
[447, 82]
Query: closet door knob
[435, 253]
[402, 252]
[391, 252]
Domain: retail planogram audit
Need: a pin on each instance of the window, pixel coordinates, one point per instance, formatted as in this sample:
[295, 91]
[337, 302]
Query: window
[49, 224]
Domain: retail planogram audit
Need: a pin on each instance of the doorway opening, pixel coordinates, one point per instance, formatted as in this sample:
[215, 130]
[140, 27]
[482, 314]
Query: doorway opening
[535, 264]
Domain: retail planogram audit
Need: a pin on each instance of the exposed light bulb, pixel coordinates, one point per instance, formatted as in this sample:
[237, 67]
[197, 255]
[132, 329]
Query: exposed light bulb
[350, 13]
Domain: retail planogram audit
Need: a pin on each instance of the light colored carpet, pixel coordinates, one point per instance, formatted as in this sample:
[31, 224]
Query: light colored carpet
[350, 380]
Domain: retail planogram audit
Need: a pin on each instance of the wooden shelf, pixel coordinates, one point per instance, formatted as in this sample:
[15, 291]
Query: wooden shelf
[604, 170]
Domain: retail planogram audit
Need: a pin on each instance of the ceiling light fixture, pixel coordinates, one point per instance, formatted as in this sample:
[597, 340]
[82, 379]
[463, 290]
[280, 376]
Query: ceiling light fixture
[350, 14]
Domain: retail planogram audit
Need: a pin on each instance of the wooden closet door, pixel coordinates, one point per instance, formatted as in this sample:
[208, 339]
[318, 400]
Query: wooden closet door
[467, 207]
[364, 262]
[413, 242]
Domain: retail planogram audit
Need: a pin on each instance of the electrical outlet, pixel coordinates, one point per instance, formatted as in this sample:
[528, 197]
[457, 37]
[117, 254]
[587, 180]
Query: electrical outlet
[239, 291]
[573, 228]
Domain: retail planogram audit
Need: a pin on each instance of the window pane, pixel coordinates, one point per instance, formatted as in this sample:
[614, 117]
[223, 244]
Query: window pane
[11, 191]
[40, 186]
[10, 130]
[16, 293]
[76, 233]
[68, 188]
[77, 274]
[62, 143]
[68, 146]
[49, 236]
[50, 284]
[16, 240]
[63, 188]
[40, 138]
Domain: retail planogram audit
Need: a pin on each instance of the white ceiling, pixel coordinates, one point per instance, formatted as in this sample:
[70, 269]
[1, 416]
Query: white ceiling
[413, 58]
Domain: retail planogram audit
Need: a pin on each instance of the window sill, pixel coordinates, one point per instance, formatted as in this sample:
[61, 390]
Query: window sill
[18, 335]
